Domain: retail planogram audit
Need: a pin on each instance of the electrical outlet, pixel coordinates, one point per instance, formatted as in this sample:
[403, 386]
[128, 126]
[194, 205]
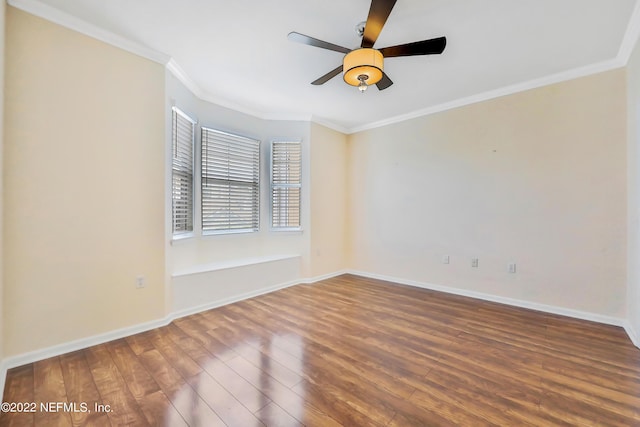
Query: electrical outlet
[474, 262]
[445, 259]
[140, 282]
[512, 267]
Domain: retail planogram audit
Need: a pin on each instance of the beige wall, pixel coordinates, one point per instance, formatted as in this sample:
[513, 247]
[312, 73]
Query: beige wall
[3, 8]
[633, 125]
[536, 178]
[84, 186]
[329, 200]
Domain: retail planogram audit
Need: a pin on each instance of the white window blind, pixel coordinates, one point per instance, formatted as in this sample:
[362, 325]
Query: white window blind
[286, 184]
[230, 182]
[182, 172]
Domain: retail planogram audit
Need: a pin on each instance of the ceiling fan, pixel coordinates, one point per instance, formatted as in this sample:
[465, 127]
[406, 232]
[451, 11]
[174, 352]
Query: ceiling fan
[364, 66]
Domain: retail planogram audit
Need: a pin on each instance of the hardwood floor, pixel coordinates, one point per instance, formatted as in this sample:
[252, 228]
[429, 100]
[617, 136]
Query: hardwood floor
[347, 351]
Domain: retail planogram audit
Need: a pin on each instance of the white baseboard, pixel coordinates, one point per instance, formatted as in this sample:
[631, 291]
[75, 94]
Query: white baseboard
[633, 335]
[248, 295]
[57, 350]
[316, 279]
[577, 314]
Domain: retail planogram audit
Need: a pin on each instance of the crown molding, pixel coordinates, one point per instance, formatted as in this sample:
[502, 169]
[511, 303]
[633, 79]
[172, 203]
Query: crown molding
[330, 125]
[292, 117]
[66, 20]
[44, 11]
[174, 68]
[37, 8]
[629, 41]
[631, 36]
[497, 93]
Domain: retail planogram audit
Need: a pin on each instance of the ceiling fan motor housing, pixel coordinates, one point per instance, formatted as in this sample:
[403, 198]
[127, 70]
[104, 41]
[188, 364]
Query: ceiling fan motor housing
[367, 62]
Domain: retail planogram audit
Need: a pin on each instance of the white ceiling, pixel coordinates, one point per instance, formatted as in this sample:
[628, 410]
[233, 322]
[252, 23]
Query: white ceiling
[238, 54]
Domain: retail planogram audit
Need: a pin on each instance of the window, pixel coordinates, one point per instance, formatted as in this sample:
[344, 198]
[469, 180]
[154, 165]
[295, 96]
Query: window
[286, 184]
[182, 172]
[230, 182]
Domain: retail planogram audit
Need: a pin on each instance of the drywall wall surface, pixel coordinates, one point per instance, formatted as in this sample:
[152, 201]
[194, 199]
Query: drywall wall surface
[536, 179]
[633, 158]
[84, 186]
[329, 200]
[178, 96]
[220, 248]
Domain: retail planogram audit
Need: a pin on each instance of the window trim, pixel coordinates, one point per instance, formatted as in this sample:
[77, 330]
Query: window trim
[297, 141]
[187, 233]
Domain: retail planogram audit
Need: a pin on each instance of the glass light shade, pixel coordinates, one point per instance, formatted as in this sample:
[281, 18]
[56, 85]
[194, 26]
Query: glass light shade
[365, 61]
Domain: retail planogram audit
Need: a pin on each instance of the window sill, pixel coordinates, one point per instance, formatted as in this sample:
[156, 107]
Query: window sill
[182, 237]
[234, 263]
[228, 232]
[287, 230]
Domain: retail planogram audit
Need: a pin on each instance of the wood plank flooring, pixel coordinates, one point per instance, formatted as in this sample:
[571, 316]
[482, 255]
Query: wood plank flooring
[347, 351]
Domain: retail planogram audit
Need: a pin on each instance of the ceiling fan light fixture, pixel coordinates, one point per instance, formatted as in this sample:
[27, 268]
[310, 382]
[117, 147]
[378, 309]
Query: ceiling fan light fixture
[363, 62]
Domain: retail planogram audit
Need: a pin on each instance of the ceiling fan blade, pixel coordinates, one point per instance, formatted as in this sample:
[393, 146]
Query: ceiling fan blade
[378, 14]
[331, 74]
[424, 47]
[385, 82]
[301, 38]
